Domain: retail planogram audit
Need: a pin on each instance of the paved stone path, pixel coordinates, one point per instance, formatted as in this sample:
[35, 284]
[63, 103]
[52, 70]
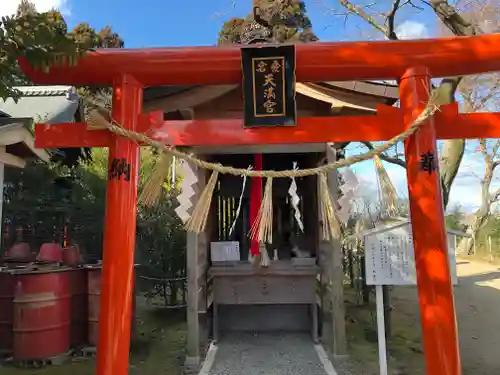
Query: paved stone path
[267, 354]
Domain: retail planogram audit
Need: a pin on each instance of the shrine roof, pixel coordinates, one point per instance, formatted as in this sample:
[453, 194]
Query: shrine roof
[50, 104]
[18, 140]
[372, 88]
[363, 95]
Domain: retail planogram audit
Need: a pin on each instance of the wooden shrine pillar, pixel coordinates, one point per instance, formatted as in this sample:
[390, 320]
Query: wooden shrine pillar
[196, 267]
[435, 290]
[332, 278]
[119, 234]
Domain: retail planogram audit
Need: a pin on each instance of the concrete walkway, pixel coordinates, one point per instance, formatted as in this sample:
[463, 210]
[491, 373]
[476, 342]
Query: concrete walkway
[267, 354]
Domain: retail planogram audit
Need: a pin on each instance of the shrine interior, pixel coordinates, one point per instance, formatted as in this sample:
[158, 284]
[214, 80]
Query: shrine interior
[289, 241]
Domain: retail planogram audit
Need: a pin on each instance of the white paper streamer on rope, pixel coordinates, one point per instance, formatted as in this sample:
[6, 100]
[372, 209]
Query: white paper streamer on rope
[239, 202]
[189, 179]
[348, 189]
[295, 200]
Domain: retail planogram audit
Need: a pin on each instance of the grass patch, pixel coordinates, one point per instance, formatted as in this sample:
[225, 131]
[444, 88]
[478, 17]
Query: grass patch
[159, 348]
[404, 346]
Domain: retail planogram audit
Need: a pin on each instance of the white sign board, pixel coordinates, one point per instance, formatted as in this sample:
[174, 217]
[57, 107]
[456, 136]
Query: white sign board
[390, 259]
[225, 251]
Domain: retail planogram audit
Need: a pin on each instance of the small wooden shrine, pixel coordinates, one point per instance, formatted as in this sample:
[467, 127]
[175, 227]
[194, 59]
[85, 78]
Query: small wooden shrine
[289, 294]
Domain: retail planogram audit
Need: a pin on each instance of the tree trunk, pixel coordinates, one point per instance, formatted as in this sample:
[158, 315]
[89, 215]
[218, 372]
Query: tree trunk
[467, 244]
[484, 212]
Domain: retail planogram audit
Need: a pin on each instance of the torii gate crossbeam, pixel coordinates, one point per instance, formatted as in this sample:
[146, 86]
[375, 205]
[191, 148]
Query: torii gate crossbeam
[129, 71]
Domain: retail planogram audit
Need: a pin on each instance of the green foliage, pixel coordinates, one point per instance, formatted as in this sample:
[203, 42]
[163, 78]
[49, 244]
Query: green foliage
[40, 38]
[41, 198]
[455, 219]
[43, 40]
[161, 240]
[90, 38]
[287, 19]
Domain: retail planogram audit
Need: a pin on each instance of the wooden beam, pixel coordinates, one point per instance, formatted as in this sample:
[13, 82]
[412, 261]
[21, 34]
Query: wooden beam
[11, 160]
[77, 135]
[118, 250]
[338, 61]
[334, 268]
[70, 135]
[435, 289]
[193, 242]
[230, 132]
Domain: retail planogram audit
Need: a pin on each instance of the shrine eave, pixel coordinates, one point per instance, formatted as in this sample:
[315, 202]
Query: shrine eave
[316, 62]
[174, 98]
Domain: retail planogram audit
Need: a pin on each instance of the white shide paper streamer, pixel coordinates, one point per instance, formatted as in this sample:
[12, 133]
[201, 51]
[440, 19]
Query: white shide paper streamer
[237, 215]
[295, 200]
[349, 189]
[189, 179]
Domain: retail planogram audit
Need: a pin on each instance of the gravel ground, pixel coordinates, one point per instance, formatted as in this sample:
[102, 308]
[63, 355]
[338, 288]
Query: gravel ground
[477, 303]
[267, 354]
[345, 367]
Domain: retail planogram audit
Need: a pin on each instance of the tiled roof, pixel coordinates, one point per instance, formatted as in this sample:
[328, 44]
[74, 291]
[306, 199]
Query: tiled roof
[49, 104]
[68, 91]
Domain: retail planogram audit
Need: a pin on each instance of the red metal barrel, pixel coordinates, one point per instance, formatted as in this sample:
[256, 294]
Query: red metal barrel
[71, 256]
[19, 251]
[6, 311]
[41, 313]
[94, 296]
[94, 300]
[50, 252]
[79, 307]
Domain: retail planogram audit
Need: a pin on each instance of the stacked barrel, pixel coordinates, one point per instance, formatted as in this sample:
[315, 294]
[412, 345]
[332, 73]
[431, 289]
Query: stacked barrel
[49, 306]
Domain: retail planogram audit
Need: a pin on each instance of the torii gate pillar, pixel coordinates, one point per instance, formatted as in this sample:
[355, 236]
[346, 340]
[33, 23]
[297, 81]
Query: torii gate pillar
[119, 233]
[435, 289]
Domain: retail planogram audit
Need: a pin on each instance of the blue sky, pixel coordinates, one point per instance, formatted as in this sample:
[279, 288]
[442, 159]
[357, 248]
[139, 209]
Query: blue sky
[154, 23]
[195, 22]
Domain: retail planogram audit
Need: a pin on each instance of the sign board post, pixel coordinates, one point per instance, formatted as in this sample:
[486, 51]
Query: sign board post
[382, 347]
[390, 260]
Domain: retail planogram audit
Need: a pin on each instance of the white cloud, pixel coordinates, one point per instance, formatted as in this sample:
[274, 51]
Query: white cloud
[411, 30]
[9, 7]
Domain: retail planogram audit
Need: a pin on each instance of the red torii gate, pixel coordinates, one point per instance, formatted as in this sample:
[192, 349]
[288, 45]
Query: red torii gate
[412, 62]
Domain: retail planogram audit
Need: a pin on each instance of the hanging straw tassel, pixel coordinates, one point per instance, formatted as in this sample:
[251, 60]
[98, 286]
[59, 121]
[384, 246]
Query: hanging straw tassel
[389, 196]
[262, 228]
[151, 192]
[331, 225]
[198, 220]
[264, 256]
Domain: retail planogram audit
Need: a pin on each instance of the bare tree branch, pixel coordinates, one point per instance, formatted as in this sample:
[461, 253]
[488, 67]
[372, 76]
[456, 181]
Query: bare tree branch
[364, 15]
[457, 24]
[389, 159]
[391, 33]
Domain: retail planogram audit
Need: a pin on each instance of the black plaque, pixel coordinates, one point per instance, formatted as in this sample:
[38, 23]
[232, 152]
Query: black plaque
[269, 85]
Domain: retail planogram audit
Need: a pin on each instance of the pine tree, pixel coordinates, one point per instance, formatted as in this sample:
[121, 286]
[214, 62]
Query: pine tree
[287, 19]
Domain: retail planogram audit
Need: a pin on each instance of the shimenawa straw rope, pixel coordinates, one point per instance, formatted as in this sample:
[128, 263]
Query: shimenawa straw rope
[262, 228]
[151, 191]
[388, 194]
[99, 122]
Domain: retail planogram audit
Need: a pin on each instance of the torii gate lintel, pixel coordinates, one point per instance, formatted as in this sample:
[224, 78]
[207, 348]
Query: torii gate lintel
[385, 124]
[136, 69]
